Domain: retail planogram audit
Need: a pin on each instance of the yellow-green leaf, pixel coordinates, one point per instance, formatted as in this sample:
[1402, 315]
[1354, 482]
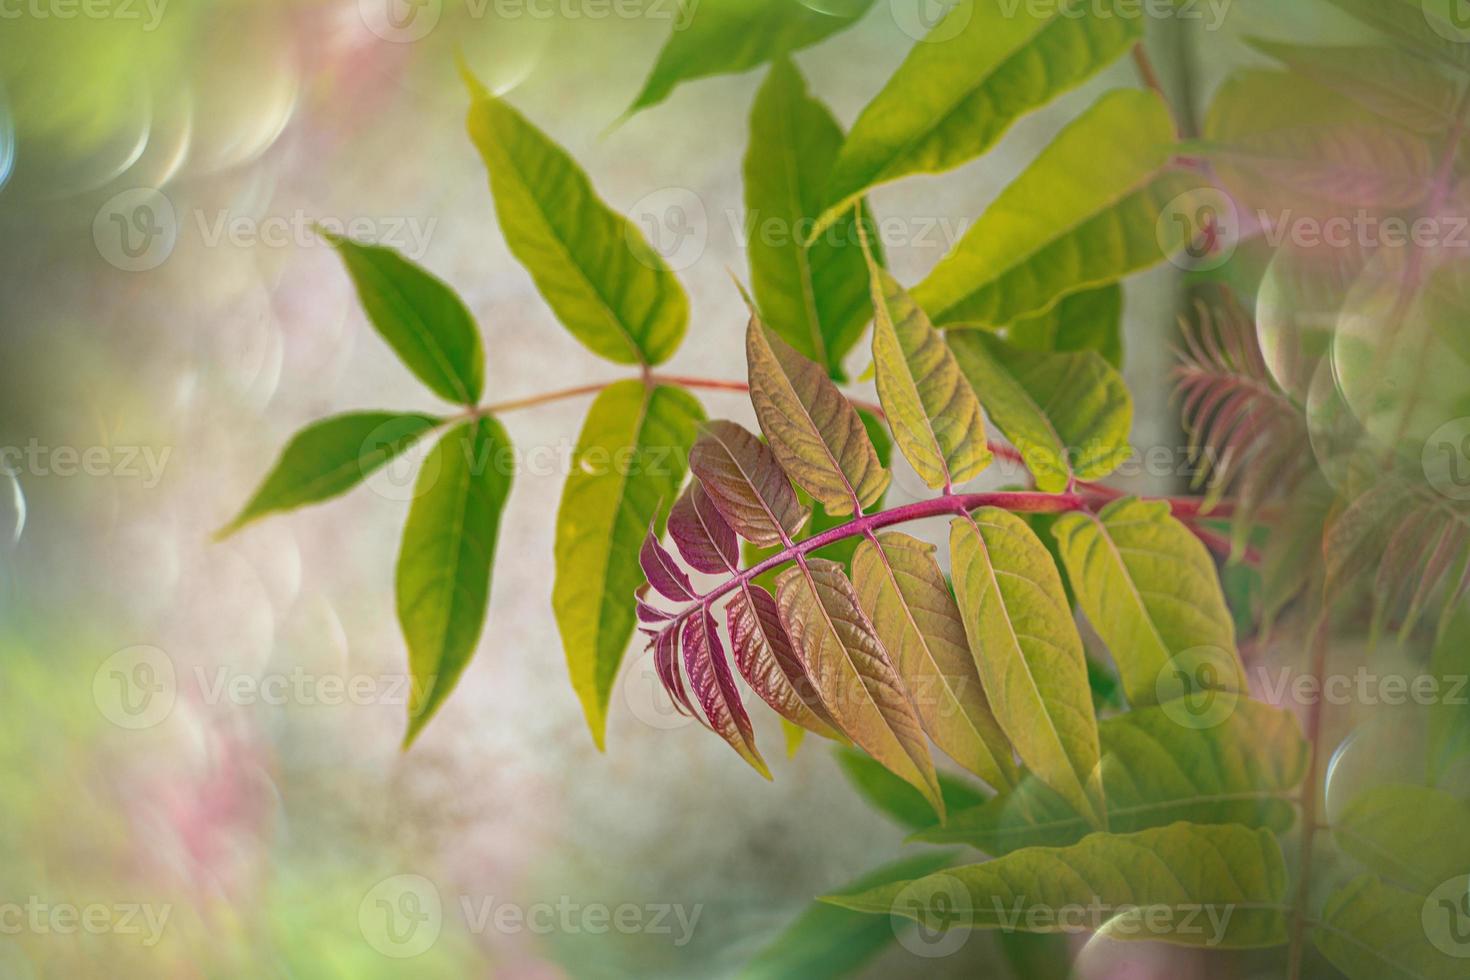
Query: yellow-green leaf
[1150, 589]
[420, 317]
[626, 471]
[814, 431]
[981, 68]
[813, 297]
[1155, 772]
[1371, 930]
[1084, 214]
[330, 457]
[902, 589]
[1412, 835]
[722, 37]
[1067, 414]
[1089, 320]
[931, 408]
[852, 672]
[593, 266]
[1029, 654]
[443, 578]
[1220, 887]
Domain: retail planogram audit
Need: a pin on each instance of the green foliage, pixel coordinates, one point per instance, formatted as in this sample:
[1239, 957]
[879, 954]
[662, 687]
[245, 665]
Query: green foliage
[598, 274]
[330, 457]
[812, 296]
[1172, 805]
[989, 63]
[1210, 886]
[1082, 216]
[443, 580]
[420, 317]
[718, 37]
[626, 470]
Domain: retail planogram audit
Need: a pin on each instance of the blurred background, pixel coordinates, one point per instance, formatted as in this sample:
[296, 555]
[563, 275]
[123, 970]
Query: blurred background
[202, 739]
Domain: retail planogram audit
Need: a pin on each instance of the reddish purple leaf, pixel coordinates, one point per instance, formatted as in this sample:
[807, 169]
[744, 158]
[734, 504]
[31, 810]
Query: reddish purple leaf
[765, 659]
[746, 484]
[666, 665]
[714, 685]
[704, 537]
[652, 614]
[663, 572]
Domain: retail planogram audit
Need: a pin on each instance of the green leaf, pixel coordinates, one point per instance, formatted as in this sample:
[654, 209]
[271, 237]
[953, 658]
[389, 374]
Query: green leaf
[1220, 887]
[1028, 653]
[1422, 25]
[1067, 414]
[724, 37]
[1388, 82]
[813, 429]
[812, 297]
[1090, 320]
[1155, 772]
[1449, 715]
[1409, 834]
[626, 471]
[330, 457]
[932, 409]
[887, 793]
[979, 70]
[593, 266]
[1084, 214]
[1373, 931]
[828, 943]
[902, 589]
[420, 317]
[1149, 588]
[852, 672]
[443, 578]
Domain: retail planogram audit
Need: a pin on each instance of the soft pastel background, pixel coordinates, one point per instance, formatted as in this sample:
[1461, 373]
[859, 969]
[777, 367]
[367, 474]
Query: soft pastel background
[266, 829]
